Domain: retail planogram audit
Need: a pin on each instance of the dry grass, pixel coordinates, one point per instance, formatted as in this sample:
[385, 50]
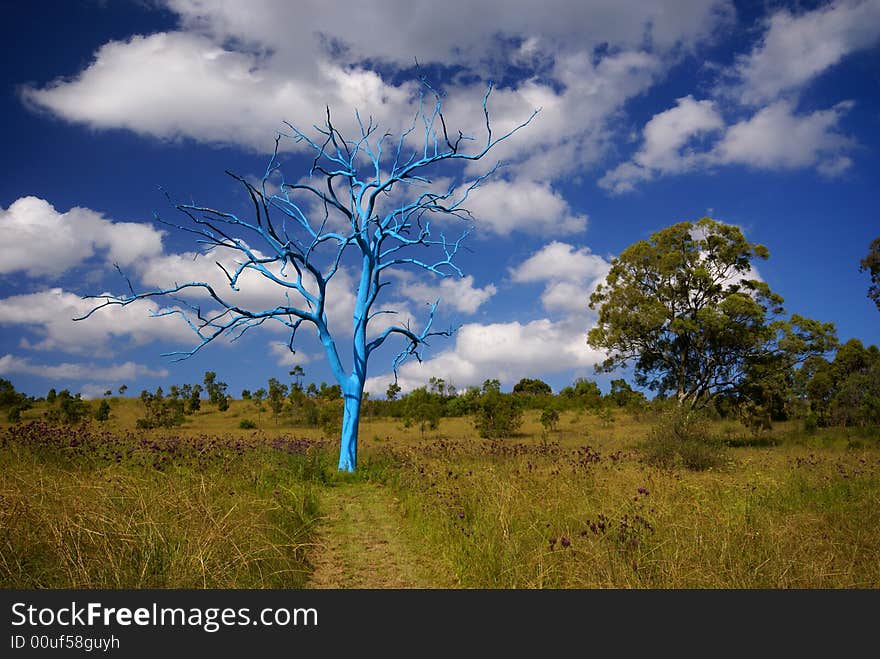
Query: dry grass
[533, 511]
[77, 521]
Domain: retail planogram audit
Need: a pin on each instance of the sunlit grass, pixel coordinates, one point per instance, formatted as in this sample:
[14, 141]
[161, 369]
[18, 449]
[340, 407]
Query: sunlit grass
[210, 505]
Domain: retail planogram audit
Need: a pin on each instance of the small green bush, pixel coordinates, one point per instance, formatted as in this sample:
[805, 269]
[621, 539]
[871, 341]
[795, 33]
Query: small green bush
[549, 419]
[682, 438]
[498, 415]
[247, 424]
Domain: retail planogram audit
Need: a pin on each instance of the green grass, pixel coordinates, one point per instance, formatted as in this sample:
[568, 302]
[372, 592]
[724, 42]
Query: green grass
[212, 505]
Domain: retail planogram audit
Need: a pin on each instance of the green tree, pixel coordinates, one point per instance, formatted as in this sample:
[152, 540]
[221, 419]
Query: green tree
[424, 408]
[685, 308]
[871, 264]
[277, 394]
[845, 391]
[9, 397]
[103, 411]
[216, 391]
[71, 408]
[498, 414]
[159, 411]
[549, 419]
[532, 387]
[623, 395]
[393, 391]
[583, 392]
[298, 373]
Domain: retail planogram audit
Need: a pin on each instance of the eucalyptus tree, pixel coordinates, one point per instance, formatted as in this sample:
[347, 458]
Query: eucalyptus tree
[687, 310]
[374, 206]
[871, 264]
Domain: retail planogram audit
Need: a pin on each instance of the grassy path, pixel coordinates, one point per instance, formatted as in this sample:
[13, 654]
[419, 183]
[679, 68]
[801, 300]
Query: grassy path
[360, 543]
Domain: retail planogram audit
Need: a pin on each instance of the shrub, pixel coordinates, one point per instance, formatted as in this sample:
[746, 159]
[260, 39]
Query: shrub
[71, 409]
[330, 418]
[160, 412]
[423, 408]
[498, 415]
[247, 424]
[103, 411]
[550, 420]
[682, 439]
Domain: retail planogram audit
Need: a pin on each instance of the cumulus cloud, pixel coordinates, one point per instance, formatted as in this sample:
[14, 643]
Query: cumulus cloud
[177, 84]
[558, 260]
[777, 138]
[42, 242]
[506, 351]
[665, 144]
[773, 138]
[359, 30]
[232, 73]
[570, 275]
[575, 127]
[49, 314]
[796, 48]
[10, 364]
[501, 206]
[284, 357]
[457, 292]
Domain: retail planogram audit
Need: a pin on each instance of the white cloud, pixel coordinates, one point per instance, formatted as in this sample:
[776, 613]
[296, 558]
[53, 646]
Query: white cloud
[50, 315]
[575, 127]
[506, 351]
[664, 148]
[558, 260]
[774, 138]
[797, 48]
[172, 85]
[403, 29]
[567, 296]
[777, 138]
[10, 364]
[570, 275]
[40, 241]
[231, 73]
[457, 292]
[283, 356]
[501, 206]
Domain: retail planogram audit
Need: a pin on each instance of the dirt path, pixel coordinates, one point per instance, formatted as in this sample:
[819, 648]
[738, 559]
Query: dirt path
[360, 544]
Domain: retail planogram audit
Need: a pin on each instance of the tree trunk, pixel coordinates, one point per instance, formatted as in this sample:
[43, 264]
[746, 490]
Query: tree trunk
[351, 415]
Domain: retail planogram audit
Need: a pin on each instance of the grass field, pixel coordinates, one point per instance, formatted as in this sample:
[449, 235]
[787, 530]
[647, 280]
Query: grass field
[210, 505]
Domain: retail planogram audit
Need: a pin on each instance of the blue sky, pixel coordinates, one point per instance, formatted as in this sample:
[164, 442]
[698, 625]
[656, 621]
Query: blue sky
[765, 115]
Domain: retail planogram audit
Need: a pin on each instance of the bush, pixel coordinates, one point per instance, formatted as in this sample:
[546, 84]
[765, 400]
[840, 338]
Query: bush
[682, 439]
[422, 408]
[103, 411]
[330, 418]
[549, 419]
[498, 415]
[247, 424]
[71, 409]
[160, 412]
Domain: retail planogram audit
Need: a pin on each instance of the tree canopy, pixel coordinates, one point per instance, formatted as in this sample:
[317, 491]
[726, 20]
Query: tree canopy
[687, 310]
[871, 264]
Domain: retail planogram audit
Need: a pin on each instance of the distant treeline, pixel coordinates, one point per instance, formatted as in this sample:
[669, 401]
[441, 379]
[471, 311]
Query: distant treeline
[842, 391]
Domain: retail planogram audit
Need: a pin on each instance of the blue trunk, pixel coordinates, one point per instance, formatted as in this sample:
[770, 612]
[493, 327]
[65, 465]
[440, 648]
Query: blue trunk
[348, 445]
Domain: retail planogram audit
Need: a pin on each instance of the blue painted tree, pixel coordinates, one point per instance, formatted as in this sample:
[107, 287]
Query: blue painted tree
[302, 233]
